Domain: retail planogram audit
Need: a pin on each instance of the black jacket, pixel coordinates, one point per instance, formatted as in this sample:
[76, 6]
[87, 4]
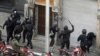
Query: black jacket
[18, 29]
[83, 39]
[8, 24]
[66, 34]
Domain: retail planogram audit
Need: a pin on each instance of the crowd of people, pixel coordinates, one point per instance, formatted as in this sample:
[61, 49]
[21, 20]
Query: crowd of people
[86, 39]
[14, 28]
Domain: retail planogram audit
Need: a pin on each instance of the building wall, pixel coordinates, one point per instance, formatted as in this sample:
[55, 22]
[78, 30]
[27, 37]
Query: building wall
[82, 14]
[20, 4]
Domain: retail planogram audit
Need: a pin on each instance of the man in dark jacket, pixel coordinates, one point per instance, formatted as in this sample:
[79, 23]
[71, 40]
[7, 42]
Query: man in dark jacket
[90, 38]
[53, 30]
[83, 40]
[24, 30]
[29, 32]
[18, 29]
[15, 17]
[8, 24]
[66, 37]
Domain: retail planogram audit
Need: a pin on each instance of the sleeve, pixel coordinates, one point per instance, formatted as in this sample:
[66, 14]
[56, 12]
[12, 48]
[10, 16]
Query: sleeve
[4, 24]
[50, 30]
[72, 29]
[18, 44]
[79, 38]
[15, 30]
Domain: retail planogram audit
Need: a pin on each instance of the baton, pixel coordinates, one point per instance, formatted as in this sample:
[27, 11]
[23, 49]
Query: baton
[69, 21]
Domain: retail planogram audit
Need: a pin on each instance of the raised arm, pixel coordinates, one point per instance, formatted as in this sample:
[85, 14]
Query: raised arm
[79, 38]
[4, 24]
[72, 28]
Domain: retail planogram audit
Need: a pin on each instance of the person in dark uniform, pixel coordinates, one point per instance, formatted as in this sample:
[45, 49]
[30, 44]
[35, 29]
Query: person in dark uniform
[18, 29]
[66, 36]
[90, 37]
[24, 30]
[15, 17]
[83, 40]
[8, 24]
[53, 30]
[29, 32]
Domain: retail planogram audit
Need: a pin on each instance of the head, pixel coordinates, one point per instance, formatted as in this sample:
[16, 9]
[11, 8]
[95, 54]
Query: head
[26, 18]
[84, 31]
[17, 36]
[14, 10]
[65, 27]
[91, 34]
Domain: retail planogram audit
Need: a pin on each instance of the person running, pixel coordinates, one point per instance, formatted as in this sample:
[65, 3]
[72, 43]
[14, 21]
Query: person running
[83, 40]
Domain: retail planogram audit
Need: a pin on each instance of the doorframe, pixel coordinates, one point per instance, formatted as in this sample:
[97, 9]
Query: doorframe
[36, 20]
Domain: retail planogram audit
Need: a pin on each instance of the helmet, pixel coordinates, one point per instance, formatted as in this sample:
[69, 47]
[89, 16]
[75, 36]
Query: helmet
[26, 18]
[65, 27]
[84, 31]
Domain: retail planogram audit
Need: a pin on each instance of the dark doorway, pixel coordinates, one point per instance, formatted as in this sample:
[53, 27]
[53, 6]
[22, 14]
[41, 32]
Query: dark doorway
[41, 19]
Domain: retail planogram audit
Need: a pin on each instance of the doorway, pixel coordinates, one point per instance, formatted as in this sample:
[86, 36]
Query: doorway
[41, 19]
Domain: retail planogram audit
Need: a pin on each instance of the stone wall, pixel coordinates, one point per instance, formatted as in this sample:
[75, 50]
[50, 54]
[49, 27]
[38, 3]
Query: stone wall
[19, 4]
